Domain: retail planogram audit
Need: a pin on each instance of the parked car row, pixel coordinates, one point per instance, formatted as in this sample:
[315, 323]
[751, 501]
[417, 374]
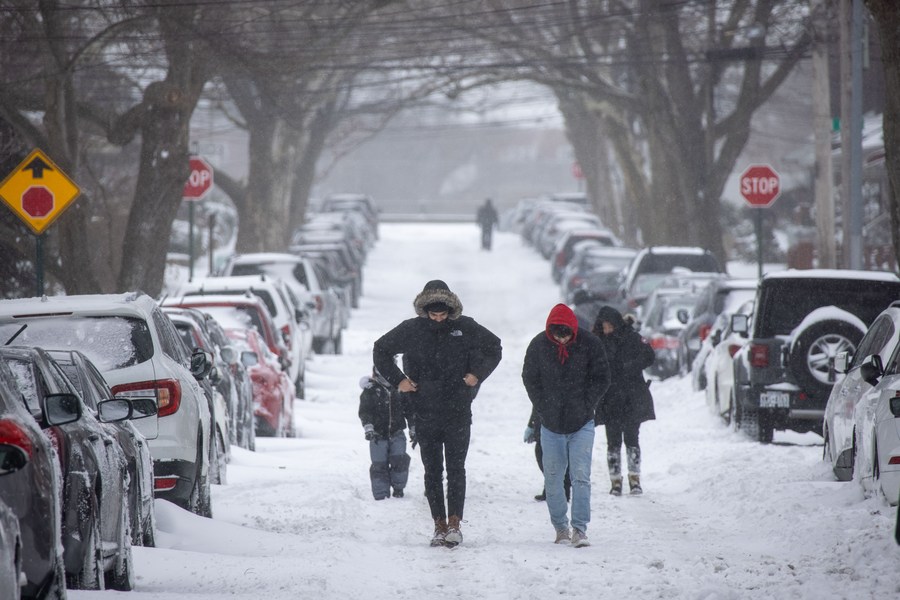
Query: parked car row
[814, 351]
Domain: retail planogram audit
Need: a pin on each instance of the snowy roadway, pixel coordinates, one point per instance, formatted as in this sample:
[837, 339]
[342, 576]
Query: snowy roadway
[722, 517]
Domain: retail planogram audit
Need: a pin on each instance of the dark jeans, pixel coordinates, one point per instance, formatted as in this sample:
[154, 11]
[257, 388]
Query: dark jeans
[437, 442]
[486, 235]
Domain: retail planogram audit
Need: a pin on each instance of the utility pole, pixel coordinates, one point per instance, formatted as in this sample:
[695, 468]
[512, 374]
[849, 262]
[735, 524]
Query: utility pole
[822, 126]
[851, 22]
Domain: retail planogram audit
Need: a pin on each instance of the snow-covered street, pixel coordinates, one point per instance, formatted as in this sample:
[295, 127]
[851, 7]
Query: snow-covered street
[722, 517]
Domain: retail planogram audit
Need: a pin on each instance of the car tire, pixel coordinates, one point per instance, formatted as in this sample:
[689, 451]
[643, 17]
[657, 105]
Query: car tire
[148, 537]
[221, 470]
[814, 348]
[200, 502]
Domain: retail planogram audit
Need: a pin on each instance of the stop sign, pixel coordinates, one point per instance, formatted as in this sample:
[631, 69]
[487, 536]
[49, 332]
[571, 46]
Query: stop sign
[760, 185]
[199, 181]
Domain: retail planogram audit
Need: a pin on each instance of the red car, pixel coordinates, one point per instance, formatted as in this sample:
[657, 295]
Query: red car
[273, 392]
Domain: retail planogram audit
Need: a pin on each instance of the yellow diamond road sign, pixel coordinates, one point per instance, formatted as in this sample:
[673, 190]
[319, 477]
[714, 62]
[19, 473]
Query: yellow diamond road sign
[38, 191]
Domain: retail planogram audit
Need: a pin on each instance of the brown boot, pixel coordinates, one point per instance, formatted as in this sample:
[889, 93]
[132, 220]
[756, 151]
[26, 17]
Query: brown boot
[440, 532]
[454, 535]
[634, 482]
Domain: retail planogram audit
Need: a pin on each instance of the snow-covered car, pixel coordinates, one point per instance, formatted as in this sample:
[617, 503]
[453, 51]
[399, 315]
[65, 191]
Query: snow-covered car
[137, 350]
[660, 326]
[876, 429]
[652, 265]
[322, 302]
[723, 294]
[801, 321]
[96, 518]
[218, 387]
[95, 392]
[861, 371]
[289, 317]
[11, 573]
[273, 400]
[563, 250]
[31, 487]
[715, 360]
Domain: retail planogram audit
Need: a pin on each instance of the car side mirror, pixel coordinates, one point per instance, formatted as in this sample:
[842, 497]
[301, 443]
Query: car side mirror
[740, 324]
[113, 411]
[229, 355]
[683, 316]
[215, 377]
[60, 409]
[249, 358]
[12, 459]
[201, 363]
[871, 369]
[141, 408]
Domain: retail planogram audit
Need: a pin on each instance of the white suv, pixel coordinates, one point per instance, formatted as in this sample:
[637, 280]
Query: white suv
[139, 353]
[288, 316]
[298, 272]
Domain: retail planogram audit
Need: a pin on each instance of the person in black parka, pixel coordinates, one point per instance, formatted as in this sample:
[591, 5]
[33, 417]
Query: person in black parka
[446, 358]
[628, 403]
[383, 417]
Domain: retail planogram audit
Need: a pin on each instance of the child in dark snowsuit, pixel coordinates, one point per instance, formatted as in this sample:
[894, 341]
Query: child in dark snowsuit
[384, 418]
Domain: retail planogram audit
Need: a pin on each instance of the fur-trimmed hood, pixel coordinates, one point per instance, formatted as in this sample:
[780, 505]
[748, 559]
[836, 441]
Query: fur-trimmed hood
[437, 291]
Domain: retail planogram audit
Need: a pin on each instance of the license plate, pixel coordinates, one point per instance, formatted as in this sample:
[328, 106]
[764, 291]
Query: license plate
[774, 400]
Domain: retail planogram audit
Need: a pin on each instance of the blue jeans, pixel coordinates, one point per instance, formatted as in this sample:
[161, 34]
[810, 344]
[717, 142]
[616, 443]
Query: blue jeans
[390, 465]
[572, 451]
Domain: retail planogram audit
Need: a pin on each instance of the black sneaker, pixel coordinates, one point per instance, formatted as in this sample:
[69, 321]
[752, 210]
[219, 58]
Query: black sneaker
[541, 497]
[398, 493]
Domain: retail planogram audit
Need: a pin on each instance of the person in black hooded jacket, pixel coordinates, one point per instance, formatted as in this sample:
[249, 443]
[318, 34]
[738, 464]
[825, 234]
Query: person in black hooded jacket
[446, 358]
[628, 402]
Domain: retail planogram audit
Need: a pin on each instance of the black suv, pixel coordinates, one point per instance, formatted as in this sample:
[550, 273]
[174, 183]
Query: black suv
[801, 321]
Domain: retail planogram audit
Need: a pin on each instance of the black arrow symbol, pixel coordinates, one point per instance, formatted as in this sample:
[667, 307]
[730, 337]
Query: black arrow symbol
[37, 166]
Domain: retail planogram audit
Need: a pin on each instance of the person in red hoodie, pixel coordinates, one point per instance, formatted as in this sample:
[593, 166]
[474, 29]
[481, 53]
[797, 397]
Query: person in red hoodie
[566, 375]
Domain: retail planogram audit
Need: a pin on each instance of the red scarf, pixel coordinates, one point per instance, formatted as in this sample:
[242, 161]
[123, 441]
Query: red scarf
[562, 315]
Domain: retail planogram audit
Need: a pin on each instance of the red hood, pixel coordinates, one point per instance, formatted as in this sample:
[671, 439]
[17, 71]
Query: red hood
[562, 315]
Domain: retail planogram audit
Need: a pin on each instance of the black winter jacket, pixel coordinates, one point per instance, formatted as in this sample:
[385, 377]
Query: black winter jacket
[436, 356]
[628, 399]
[383, 407]
[565, 395]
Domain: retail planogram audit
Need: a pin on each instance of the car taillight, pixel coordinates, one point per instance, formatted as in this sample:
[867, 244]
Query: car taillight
[704, 331]
[320, 304]
[576, 281]
[895, 460]
[166, 391]
[286, 335]
[164, 484]
[663, 342]
[733, 348]
[11, 433]
[759, 355]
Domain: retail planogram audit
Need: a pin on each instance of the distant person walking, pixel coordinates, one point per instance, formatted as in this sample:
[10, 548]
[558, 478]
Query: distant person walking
[446, 357]
[383, 417]
[628, 402]
[566, 376]
[488, 219]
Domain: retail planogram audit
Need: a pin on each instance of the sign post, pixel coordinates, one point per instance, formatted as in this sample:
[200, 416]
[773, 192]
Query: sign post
[760, 187]
[199, 182]
[38, 192]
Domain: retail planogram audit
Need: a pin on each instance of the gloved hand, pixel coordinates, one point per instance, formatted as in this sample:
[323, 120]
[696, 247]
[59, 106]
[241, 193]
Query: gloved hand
[370, 431]
[412, 437]
[529, 438]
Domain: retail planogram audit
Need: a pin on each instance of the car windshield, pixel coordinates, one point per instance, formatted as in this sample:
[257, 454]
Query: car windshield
[664, 263]
[592, 261]
[644, 284]
[110, 342]
[235, 317]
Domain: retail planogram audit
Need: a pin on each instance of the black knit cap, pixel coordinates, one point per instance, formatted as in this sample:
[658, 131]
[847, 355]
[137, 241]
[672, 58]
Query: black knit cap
[436, 284]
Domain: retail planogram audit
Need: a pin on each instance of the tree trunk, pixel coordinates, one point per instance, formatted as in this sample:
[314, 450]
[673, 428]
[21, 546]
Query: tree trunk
[887, 16]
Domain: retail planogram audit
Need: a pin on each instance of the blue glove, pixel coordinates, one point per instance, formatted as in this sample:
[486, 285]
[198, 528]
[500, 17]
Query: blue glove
[412, 437]
[528, 438]
[370, 431]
